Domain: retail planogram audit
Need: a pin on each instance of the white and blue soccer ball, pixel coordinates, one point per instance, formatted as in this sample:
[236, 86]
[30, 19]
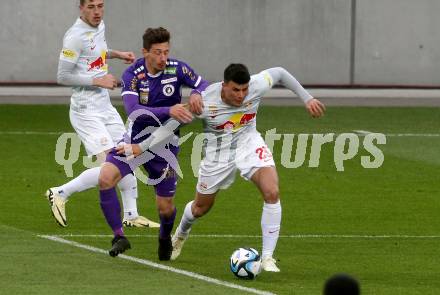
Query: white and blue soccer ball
[245, 263]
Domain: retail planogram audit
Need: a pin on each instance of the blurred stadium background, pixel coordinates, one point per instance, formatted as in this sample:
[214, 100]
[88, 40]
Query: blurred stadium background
[324, 42]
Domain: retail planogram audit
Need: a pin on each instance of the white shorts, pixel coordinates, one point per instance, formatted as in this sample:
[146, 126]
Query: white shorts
[98, 131]
[249, 156]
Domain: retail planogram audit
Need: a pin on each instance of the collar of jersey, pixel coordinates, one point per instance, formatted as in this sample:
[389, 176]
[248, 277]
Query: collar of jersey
[86, 25]
[153, 76]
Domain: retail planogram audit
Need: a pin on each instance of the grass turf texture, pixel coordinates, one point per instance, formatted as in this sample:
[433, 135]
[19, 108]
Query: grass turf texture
[399, 198]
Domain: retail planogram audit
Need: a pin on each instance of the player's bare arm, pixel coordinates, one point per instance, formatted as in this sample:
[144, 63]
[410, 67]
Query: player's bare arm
[127, 56]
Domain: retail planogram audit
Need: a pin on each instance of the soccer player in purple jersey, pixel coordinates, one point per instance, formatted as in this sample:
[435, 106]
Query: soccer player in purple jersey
[152, 88]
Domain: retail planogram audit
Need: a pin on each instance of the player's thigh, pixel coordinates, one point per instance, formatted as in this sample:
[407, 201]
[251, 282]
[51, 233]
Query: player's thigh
[114, 125]
[214, 176]
[162, 176]
[92, 132]
[253, 155]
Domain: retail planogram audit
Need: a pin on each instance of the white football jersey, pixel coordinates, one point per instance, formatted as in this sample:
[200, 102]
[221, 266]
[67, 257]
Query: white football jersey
[85, 46]
[228, 123]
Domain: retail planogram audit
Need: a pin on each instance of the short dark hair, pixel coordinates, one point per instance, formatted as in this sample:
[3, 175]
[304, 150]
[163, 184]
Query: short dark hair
[237, 73]
[154, 36]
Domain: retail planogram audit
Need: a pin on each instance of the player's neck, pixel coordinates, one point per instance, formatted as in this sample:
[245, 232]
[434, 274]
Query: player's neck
[85, 21]
[222, 95]
[151, 70]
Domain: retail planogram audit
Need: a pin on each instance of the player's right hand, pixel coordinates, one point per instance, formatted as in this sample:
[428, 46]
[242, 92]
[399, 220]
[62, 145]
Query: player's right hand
[180, 113]
[129, 150]
[108, 81]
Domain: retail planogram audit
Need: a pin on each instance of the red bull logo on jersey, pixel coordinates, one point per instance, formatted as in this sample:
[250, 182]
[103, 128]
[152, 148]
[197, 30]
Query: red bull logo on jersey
[98, 63]
[236, 121]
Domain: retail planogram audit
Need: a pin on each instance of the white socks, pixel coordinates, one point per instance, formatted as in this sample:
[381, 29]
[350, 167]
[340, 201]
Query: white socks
[128, 188]
[270, 227]
[86, 180]
[89, 179]
[187, 220]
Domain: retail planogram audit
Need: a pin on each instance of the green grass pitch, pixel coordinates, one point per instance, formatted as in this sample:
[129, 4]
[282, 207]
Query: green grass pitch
[380, 225]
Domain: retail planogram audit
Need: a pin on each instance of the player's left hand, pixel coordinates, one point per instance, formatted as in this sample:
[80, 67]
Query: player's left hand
[127, 56]
[315, 108]
[195, 103]
[129, 150]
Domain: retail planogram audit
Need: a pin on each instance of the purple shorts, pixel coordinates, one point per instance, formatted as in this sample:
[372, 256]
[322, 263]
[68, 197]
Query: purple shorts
[160, 173]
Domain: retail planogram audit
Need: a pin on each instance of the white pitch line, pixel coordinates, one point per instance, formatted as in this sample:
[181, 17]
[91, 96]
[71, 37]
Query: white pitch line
[158, 266]
[299, 236]
[31, 132]
[365, 132]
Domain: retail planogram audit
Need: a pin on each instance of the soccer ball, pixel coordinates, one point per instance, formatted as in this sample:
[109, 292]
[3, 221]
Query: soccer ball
[245, 263]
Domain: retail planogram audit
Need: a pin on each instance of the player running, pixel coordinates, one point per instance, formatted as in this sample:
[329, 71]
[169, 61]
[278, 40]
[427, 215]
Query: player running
[233, 143]
[152, 95]
[83, 65]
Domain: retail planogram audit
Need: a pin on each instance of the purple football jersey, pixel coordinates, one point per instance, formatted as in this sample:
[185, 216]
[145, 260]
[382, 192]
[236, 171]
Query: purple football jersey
[156, 93]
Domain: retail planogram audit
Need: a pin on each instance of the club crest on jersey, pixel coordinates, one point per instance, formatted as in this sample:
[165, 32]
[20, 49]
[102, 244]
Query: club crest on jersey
[168, 90]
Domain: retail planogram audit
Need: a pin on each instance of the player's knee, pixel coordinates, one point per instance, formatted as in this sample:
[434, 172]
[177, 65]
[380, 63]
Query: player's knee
[106, 180]
[271, 195]
[166, 211]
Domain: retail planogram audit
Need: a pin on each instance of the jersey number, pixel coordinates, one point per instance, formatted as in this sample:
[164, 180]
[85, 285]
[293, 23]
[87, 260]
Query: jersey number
[263, 153]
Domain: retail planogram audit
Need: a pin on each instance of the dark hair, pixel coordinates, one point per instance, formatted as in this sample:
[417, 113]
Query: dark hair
[155, 35]
[237, 73]
[341, 284]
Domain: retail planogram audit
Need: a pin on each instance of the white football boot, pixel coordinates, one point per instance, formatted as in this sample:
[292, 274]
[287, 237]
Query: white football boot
[140, 221]
[178, 240]
[269, 264]
[57, 205]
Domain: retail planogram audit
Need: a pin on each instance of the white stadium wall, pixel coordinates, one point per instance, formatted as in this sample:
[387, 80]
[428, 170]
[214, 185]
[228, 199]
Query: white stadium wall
[397, 42]
[389, 42]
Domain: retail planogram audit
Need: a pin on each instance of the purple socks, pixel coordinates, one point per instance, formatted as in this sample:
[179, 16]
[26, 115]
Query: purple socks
[112, 210]
[166, 225]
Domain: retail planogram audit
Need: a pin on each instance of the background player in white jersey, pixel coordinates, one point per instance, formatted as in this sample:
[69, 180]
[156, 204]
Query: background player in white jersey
[233, 142]
[230, 110]
[83, 65]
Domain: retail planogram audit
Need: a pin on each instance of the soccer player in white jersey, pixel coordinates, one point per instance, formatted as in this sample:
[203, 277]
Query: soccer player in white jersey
[83, 66]
[233, 143]
[230, 110]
